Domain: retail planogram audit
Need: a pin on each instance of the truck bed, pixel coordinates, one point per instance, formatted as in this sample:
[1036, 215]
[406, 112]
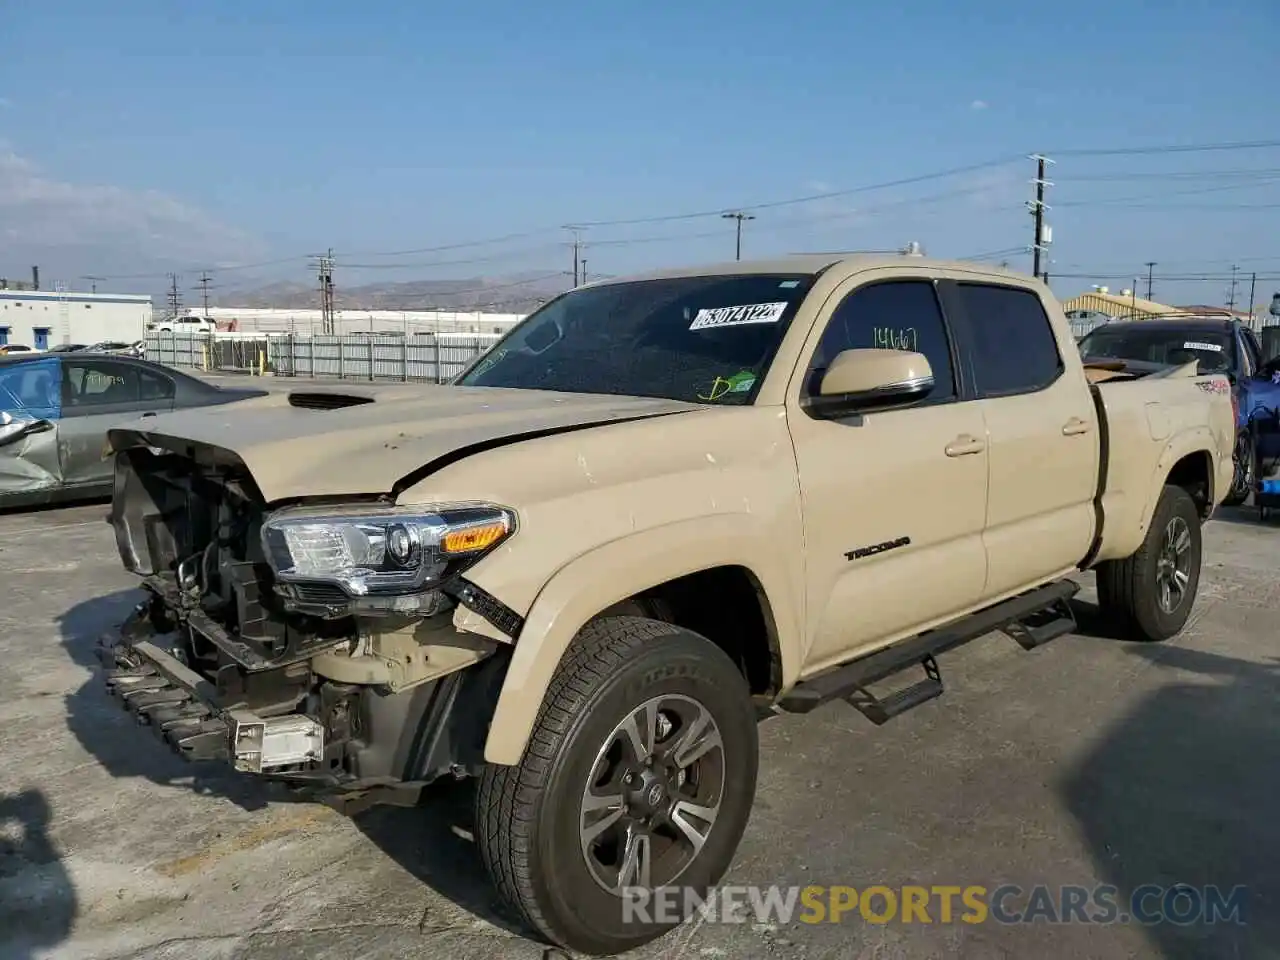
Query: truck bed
[1151, 419]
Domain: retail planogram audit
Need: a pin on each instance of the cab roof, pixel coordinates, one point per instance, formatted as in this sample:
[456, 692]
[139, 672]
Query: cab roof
[813, 264]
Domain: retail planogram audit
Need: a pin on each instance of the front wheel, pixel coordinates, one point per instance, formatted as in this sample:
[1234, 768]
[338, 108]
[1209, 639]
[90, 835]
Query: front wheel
[1151, 593]
[634, 790]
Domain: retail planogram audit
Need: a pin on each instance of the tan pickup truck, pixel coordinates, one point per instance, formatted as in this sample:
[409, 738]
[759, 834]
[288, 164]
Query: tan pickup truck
[658, 508]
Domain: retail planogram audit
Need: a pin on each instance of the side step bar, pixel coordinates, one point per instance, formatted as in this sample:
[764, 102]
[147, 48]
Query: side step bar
[1031, 618]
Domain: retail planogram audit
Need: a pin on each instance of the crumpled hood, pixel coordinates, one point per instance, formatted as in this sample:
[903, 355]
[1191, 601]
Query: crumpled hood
[390, 433]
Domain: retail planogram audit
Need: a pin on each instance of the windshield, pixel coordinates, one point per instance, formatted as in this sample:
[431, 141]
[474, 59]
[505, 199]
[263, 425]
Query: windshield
[1169, 345]
[706, 339]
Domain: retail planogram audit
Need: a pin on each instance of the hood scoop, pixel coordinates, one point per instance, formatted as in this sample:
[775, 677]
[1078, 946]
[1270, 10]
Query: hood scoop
[326, 400]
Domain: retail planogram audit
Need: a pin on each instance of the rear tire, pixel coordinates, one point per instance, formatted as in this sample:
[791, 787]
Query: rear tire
[1150, 594]
[1242, 475]
[622, 678]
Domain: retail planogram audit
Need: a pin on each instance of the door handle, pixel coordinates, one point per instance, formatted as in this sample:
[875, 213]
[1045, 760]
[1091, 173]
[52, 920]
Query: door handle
[1075, 426]
[149, 413]
[965, 445]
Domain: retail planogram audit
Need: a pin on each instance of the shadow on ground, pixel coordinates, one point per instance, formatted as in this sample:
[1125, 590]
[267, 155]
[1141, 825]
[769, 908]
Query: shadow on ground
[1246, 516]
[113, 736]
[434, 842]
[37, 899]
[1185, 791]
[431, 841]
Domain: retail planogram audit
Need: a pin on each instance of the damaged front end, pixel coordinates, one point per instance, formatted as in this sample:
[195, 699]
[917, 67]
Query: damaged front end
[316, 645]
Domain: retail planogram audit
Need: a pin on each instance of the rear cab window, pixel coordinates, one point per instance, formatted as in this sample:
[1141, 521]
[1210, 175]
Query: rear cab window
[1012, 344]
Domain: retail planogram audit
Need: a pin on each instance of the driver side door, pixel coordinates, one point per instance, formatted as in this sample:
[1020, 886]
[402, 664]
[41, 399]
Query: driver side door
[894, 502]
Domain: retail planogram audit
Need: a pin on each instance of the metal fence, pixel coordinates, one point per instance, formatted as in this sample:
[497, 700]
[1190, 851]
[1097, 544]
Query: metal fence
[431, 358]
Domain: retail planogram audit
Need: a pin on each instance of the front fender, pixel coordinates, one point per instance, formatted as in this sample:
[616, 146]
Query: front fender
[622, 568]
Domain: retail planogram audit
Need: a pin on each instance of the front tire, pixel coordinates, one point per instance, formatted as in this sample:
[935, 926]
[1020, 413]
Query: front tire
[576, 831]
[1151, 593]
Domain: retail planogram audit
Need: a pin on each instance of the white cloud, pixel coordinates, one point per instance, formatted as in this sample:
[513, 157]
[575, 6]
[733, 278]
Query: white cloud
[41, 216]
[978, 105]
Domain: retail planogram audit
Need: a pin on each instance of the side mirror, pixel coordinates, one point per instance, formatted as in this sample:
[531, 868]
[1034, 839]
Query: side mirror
[862, 380]
[15, 428]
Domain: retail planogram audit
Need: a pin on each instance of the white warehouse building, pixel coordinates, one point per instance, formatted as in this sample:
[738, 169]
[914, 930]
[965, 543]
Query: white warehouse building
[46, 318]
[304, 322]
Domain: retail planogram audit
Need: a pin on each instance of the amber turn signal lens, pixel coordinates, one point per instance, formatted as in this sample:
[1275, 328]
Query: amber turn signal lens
[473, 538]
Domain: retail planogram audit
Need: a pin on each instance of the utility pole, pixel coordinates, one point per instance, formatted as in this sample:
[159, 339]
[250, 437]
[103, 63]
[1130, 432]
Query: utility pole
[175, 298]
[1151, 266]
[1253, 287]
[93, 281]
[1231, 302]
[204, 290]
[739, 216]
[584, 270]
[324, 272]
[578, 262]
[1037, 207]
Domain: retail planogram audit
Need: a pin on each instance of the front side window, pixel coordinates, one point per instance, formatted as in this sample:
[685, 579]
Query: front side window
[895, 315]
[703, 339]
[1014, 346]
[30, 389]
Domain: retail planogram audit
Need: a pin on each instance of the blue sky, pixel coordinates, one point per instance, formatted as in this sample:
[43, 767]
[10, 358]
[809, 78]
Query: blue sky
[138, 137]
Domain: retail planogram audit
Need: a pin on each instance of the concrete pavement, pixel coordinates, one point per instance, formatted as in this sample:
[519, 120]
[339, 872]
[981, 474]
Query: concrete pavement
[1089, 761]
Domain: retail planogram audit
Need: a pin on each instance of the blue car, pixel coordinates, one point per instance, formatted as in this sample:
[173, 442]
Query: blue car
[1221, 345]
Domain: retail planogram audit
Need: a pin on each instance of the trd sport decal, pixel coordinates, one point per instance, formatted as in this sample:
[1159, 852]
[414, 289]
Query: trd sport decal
[863, 552]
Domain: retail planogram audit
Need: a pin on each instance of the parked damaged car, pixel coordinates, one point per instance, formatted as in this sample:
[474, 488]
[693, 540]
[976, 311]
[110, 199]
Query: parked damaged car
[55, 410]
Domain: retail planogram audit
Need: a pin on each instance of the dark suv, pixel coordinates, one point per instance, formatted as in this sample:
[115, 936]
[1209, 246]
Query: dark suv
[1222, 345]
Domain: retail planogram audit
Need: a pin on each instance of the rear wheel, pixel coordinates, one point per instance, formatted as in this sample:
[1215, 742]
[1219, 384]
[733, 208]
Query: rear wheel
[639, 776]
[1242, 477]
[1151, 593]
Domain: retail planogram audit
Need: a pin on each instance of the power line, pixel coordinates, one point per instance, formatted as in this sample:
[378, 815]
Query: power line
[1198, 191]
[829, 195]
[1265, 172]
[690, 215]
[1169, 148]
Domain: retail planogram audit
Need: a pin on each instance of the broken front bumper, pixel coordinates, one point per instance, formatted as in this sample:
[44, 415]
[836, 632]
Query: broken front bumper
[184, 708]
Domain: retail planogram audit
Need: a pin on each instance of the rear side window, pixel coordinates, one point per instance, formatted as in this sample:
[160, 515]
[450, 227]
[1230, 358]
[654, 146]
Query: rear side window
[153, 386]
[1014, 347]
[894, 315]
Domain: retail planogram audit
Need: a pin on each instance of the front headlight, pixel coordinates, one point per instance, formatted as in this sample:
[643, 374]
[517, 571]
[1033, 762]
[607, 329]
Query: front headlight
[382, 550]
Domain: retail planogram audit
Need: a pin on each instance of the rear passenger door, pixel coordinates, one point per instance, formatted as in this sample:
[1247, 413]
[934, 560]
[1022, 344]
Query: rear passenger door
[1042, 429]
[893, 501]
[98, 394]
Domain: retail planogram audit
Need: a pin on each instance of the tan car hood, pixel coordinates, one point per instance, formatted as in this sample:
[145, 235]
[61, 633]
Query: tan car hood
[369, 448]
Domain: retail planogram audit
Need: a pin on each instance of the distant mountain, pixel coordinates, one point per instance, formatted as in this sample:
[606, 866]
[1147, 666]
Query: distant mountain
[508, 294]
